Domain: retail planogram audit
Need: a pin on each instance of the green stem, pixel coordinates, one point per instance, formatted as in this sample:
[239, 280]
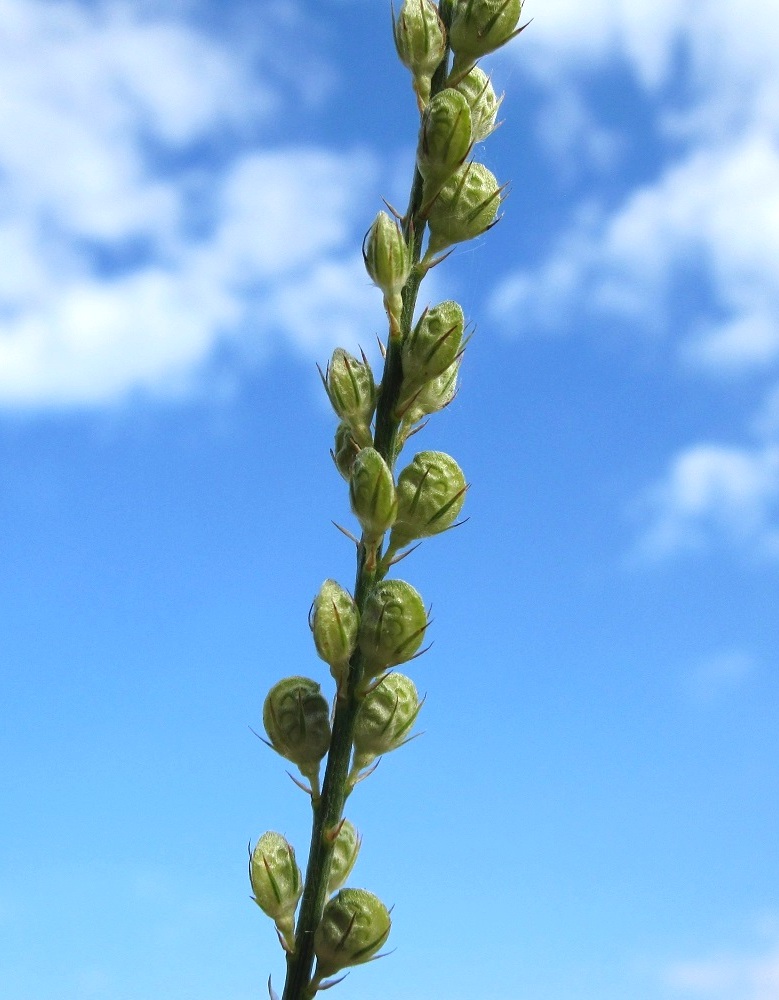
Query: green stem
[328, 810]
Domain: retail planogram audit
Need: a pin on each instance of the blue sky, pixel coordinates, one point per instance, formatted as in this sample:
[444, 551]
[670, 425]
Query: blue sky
[592, 811]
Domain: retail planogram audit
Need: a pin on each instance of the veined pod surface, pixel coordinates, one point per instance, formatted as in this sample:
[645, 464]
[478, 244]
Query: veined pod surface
[478, 91]
[275, 877]
[435, 396]
[372, 494]
[296, 717]
[392, 627]
[481, 26]
[444, 138]
[420, 41]
[334, 624]
[345, 851]
[352, 392]
[465, 207]
[431, 492]
[386, 254]
[354, 925]
[385, 718]
[432, 345]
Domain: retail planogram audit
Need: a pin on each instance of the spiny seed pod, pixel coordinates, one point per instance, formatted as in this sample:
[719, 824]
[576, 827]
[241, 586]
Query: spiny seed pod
[480, 95]
[387, 256]
[345, 851]
[372, 494]
[444, 138]
[481, 26]
[420, 39]
[392, 626]
[432, 346]
[354, 925]
[385, 718]
[297, 720]
[334, 621]
[352, 391]
[464, 208]
[431, 493]
[275, 877]
[433, 397]
[346, 449]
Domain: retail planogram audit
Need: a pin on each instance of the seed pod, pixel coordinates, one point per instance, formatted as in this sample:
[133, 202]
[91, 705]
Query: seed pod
[345, 851]
[444, 138]
[431, 493]
[435, 396]
[275, 877]
[420, 39]
[480, 95]
[386, 254]
[354, 925]
[372, 494]
[464, 208]
[432, 346]
[392, 627]
[479, 27]
[352, 391]
[297, 720]
[346, 449]
[334, 622]
[385, 718]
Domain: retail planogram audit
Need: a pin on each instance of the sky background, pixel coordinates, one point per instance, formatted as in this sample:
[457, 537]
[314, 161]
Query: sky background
[593, 811]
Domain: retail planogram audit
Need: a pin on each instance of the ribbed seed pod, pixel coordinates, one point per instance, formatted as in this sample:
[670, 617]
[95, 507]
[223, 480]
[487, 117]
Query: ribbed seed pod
[334, 623]
[420, 40]
[431, 492]
[392, 627]
[385, 719]
[480, 95]
[387, 259]
[351, 389]
[465, 207]
[275, 877]
[354, 925]
[297, 720]
[345, 851]
[372, 494]
[481, 26]
[345, 450]
[444, 138]
[431, 346]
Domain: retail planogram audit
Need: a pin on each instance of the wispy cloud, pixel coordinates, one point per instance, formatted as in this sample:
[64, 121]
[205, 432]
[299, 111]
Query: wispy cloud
[124, 265]
[727, 977]
[717, 676]
[712, 208]
[711, 494]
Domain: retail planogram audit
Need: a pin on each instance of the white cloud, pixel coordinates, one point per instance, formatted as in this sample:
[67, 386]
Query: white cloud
[121, 272]
[727, 977]
[712, 209]
[719, 675]
[710, 493]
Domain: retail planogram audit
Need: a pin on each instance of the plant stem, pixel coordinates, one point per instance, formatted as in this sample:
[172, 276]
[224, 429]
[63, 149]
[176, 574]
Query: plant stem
[328, 810]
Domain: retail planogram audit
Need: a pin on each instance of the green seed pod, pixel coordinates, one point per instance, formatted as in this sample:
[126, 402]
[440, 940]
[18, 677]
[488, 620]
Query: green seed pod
[392, 627]
[465, 207]
[387, 256]
[420, 39]
[385, 718]
[354, 925]
[346, 449]
[479, 27]
[432, 346]
[352, 391]
[275, 877]
[297, 720]
[372, 494]
[480, 95]
[345, 851]
[435, 396]
[431, 493]
[444, 138]
[334, 621]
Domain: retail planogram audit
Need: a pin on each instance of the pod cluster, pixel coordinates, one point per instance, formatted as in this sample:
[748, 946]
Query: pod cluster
[366, 635]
